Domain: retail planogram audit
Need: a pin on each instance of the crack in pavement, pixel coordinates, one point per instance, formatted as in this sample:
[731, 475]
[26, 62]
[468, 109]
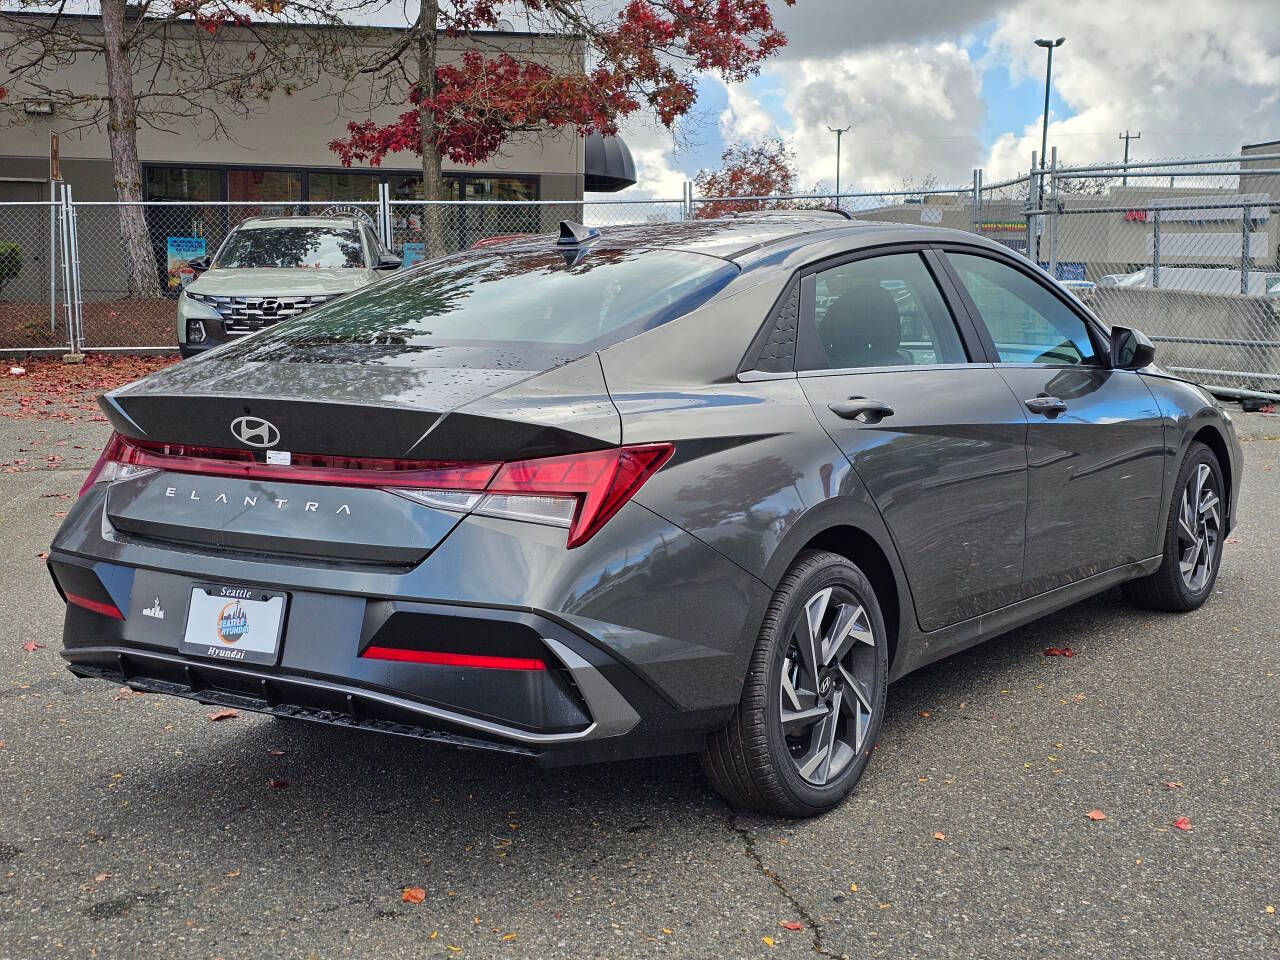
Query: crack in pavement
[811, 924]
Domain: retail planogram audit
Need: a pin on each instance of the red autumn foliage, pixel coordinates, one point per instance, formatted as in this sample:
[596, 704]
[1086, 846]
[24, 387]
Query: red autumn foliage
[760, 169]
[1059, 652]
[647, 54]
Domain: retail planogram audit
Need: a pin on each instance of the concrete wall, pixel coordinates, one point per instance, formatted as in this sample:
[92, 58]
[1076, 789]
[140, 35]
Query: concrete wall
[287, 130]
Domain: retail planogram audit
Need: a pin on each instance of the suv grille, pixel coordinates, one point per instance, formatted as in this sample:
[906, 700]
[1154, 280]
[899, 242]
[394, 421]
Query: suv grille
[246, 314]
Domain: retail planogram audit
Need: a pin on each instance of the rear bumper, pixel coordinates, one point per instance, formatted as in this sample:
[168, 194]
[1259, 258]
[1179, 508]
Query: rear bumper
[644, 641]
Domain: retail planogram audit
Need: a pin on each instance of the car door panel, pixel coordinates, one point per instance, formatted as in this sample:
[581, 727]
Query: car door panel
[948, 472]
[947, 467]
[1095, 437]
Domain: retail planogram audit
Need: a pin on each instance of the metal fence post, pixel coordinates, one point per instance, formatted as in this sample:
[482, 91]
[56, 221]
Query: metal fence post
[64, 238]
[1155, 249]
[1053, 215]
[977, 196]
[1033, 242]
[77, 340]
[1245, 258]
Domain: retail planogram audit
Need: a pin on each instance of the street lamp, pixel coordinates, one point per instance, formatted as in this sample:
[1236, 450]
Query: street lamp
[1044, 129]
[839, 132]
[1048, 79]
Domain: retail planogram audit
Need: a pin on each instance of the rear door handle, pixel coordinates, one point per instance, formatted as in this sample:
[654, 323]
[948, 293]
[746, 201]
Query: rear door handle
[862, 409]
[1047, 405]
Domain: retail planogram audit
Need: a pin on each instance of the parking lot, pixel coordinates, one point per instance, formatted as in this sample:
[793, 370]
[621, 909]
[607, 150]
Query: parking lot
[136, 826]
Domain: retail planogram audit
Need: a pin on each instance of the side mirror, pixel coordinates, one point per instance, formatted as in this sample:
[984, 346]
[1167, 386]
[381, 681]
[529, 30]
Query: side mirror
[388, 261]
[1130, 349]
[200, 264]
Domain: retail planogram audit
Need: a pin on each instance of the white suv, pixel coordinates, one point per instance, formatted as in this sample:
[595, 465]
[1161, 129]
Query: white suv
[269, 269]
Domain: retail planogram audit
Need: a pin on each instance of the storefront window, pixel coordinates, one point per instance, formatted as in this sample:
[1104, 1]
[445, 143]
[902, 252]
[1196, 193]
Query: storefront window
[264, 186]
[410, 188]
[501, 188]
[342, 187]
[183, 183]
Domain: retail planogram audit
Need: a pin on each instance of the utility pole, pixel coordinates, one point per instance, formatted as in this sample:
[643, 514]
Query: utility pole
[1126, 137]
[839, 132]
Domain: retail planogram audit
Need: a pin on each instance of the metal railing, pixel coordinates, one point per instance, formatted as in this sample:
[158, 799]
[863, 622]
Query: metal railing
[1185, 249]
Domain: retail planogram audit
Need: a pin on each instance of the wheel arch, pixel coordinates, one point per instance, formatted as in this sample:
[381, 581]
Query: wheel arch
[1212, 438]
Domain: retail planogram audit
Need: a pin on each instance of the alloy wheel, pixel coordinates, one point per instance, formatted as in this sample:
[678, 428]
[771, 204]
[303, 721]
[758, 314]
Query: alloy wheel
[1199, 528]
[827, 685]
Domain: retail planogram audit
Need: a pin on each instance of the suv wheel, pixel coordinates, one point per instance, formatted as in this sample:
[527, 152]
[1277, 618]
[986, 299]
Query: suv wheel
[814, 696]
[1193, 538]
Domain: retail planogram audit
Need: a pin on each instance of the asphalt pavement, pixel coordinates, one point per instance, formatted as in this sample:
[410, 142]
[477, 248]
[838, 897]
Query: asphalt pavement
[134, 826]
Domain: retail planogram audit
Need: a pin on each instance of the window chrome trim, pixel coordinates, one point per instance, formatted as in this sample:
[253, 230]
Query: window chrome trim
[896, 368]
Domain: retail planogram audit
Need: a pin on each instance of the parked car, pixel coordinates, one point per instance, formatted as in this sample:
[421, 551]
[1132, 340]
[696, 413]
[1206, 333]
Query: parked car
[269, 269]
[674, 488]
[1082, 290]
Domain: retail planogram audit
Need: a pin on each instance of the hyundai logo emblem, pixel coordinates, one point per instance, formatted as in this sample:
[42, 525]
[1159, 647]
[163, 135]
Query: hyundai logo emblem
[255, 431]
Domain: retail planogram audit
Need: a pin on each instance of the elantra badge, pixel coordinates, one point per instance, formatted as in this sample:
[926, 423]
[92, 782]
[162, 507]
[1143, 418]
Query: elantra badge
[255, 431]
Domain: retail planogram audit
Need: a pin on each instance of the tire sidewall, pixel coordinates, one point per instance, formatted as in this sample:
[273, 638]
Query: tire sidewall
[834, 571]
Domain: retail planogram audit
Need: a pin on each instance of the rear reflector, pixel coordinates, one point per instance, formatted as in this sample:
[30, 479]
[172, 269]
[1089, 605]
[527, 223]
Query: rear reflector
[97, 606]
[580, 491]
[453, 659]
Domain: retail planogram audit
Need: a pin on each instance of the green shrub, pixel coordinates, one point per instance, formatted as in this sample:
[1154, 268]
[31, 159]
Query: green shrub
[10, 262]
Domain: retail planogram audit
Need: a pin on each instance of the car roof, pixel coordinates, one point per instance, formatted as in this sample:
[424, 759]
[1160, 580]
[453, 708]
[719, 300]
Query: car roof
[747, 237]
[333, 222]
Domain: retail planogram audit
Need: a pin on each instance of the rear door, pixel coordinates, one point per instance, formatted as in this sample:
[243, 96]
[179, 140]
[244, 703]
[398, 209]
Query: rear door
[1095, 445]
[930, 427]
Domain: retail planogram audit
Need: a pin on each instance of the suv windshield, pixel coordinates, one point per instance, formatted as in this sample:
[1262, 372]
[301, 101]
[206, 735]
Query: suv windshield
[315, 247]
[539, 299]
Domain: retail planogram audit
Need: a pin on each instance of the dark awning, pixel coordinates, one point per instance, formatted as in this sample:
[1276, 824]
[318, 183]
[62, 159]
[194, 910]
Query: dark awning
[607, 164]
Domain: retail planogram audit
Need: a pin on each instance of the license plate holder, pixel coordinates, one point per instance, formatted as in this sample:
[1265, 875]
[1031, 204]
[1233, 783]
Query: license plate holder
[234, 622]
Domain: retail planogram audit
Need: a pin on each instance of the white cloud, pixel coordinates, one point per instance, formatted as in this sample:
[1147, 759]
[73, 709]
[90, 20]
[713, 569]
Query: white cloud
[915, 111]
[1195, 78]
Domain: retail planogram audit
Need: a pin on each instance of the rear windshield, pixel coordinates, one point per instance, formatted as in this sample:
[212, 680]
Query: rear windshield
[315, 247]
[538, 299]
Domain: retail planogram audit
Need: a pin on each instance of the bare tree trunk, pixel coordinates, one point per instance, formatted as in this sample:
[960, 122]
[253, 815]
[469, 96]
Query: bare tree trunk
[122, 134]
[434, 218]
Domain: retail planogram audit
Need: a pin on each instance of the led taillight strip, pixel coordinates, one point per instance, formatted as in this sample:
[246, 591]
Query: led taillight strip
[439, 658]
[97, 606]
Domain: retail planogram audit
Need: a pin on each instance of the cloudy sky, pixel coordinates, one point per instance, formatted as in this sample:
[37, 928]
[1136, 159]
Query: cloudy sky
[943, 87]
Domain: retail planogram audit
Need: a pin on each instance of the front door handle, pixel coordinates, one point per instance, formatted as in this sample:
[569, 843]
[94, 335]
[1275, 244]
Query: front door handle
[1047, 405]
[862, 409]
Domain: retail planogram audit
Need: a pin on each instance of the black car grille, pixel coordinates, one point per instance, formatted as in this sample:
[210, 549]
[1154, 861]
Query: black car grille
[246, 314]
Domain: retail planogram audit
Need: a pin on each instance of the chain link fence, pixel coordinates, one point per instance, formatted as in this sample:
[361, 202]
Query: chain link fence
[1186, 250]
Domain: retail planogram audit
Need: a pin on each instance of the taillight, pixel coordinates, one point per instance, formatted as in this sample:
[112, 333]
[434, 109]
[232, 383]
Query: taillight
[580, 491]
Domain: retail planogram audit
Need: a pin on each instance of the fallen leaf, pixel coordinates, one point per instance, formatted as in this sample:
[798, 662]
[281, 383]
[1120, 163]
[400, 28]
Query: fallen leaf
[1269, 909]
[1183, 823]
[413, 895]
[31, 646]
[508, 936]
[102, 876]
[42, 555]
[1096, 815]
[225, 714]
[277, 784]
[1059, 652]
[453, 948]
[853, 888]
[790, 925]
[667, 931]
[939, 836]
[767, 941]
[925, 714]
[1232, 540]
[275, 753]
[1172, 785]
[232, 874]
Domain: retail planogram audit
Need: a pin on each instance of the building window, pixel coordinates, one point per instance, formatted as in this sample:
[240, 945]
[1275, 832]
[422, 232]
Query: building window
[501, 188]
[177, 184]
[343, 187]
[264, 186]
[410, 187]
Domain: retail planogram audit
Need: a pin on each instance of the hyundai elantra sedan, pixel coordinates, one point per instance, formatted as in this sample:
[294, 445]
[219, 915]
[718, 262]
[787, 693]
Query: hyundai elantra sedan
[705, 487]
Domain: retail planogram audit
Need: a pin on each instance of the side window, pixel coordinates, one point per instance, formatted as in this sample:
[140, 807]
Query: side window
[1026, 321]
[883, 312]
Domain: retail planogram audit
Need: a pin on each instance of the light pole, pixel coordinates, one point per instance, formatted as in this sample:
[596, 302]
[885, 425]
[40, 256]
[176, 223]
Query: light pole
[839, 132]
[1048, 80]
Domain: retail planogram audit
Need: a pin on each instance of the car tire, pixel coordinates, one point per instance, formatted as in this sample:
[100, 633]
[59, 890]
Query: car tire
[832, 714]
[1197, 515]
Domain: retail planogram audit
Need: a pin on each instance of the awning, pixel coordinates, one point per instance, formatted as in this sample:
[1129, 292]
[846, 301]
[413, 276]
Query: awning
[607, 164]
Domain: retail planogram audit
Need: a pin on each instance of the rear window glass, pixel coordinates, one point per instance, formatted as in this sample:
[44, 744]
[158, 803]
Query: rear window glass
[315, 247]
[537, 299]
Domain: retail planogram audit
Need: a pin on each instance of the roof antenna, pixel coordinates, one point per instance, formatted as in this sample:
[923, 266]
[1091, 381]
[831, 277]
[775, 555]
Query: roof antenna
[575, 234]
